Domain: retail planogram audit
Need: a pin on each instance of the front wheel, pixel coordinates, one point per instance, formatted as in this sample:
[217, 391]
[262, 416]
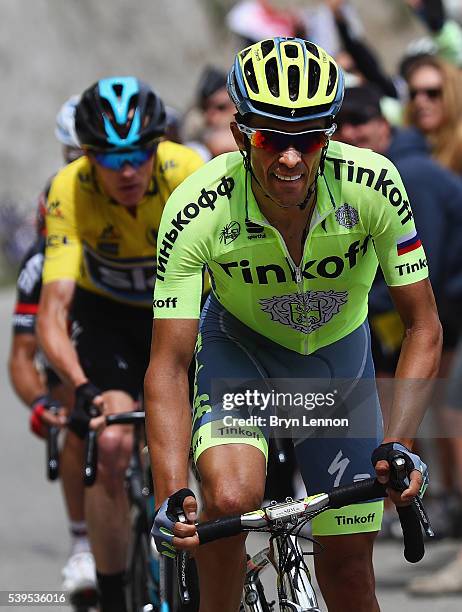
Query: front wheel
[142, 582]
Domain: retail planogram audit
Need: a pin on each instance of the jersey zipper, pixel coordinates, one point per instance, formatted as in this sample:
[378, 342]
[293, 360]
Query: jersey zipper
[296, 270]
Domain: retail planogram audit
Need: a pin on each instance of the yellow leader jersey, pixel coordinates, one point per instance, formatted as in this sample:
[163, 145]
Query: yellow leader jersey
[98, 243]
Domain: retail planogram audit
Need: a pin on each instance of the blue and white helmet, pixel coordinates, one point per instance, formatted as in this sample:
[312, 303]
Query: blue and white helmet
[65, 123]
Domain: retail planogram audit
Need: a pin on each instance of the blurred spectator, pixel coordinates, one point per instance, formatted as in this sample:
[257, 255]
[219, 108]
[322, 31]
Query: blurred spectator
[213, 99]
[435, 108]
[435, 194]
[253, 20]
[206, 126]
[173, 125]
[357, 58]
[445, 35]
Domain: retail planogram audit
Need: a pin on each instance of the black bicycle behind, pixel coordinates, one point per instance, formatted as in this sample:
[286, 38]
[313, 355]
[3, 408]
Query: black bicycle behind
[154, 583]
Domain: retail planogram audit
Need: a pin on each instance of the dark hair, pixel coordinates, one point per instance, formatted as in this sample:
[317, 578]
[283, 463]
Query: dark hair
[212, 79]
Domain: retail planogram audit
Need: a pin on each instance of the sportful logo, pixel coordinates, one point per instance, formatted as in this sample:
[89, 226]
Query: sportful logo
[347, 216]
[367, 176]
[207, 199]
[230, 232]
[254, 230]
[305, 312]
[408, 242]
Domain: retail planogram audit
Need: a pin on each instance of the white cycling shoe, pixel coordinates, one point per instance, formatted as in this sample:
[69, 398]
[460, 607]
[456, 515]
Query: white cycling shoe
[79, 579]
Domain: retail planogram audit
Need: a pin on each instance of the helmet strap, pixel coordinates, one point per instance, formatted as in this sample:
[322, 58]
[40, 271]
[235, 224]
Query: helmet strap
[312, 187]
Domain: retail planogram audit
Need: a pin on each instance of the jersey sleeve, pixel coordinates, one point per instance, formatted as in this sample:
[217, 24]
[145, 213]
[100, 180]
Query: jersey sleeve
[397, 244]
[28, 287]
[63, 253]
[182, 253]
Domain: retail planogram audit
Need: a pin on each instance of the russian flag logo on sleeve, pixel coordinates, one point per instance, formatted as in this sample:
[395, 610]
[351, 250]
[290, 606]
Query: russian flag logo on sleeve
[408, 243]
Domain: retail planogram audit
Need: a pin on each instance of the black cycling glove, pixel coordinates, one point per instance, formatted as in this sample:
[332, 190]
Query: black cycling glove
[84, 409]
[165, 519]
[390, 450]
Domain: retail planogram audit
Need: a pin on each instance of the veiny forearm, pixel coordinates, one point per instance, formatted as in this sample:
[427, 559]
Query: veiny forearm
[417, 367]
[24, 376]
[168, 426]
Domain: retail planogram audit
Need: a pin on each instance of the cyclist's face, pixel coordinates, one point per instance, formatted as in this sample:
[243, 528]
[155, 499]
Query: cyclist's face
[284, 176]
[128, 185]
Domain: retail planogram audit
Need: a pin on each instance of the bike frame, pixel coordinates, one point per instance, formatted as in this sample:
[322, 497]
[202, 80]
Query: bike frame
[295, 591]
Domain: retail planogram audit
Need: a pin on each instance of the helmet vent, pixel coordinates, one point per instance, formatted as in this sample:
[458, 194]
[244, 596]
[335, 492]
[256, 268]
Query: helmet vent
[314, 74]
[291, 51]
[266, 47]
[244, 53]
[272, 76]
[249, 72]
[117, 88]
[311, 48]
[332, 79]
[294, 82]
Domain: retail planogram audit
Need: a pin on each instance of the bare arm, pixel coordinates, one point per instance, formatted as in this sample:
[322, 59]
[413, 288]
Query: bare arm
[168, 410]
[419, 359]
[52, 331]
[418, 364]
[24, 375]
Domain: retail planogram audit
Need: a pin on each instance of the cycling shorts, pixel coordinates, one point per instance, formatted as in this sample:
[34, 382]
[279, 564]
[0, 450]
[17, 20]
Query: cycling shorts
[231, 353]
[112, 341]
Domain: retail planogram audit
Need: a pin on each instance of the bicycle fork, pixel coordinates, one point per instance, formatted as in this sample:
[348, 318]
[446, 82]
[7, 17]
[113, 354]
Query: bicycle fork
[295, 591]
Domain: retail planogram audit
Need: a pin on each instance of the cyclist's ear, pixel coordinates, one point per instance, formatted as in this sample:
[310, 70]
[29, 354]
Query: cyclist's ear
[239, 137]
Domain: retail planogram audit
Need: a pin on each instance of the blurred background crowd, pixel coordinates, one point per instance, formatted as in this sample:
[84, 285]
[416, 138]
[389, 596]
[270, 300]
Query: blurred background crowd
[402, 60]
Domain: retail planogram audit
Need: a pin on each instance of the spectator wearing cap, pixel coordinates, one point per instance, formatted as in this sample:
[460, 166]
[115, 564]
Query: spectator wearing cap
[435, 194]
[207, 124]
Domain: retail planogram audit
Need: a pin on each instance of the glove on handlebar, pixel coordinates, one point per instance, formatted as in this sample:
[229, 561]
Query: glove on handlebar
[38, 407]
[390, 451]
[84, 409]
[165, 519]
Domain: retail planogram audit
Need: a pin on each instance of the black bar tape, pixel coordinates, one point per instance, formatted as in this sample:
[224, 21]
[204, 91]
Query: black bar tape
[220, 528]
[361, 491]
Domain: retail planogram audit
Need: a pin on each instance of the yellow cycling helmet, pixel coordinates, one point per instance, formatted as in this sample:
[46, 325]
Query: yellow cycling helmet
[290, 79]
